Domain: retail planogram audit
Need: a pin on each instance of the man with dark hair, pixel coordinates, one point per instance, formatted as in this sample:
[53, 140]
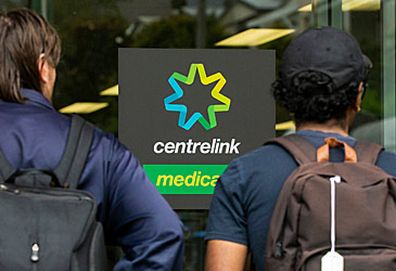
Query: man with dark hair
[133, 213]
[322, 82]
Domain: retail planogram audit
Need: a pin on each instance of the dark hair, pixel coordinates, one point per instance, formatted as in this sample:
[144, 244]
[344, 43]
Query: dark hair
[24, 37]
[313, 97]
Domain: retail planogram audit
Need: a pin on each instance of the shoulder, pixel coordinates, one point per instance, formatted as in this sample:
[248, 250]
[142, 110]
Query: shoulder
[266, 159]
[387, 161]
[108, 149]
[103, 142]
[108, 155]
[110, 165]
[260, 171]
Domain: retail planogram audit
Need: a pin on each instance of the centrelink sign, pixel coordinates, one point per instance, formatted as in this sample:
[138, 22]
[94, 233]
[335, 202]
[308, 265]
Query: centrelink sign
[187, 113]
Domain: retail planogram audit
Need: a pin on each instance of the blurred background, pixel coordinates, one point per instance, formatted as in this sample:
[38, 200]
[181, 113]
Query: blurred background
[93, 30]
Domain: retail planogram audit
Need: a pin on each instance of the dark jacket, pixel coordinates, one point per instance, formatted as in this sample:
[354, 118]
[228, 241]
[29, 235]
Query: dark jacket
[133, 213]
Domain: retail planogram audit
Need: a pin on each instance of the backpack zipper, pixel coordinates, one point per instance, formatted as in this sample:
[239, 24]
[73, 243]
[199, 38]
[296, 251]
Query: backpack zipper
[279, 251]
[332, 260]
[61, 193]
[35, 253]
[333, 181]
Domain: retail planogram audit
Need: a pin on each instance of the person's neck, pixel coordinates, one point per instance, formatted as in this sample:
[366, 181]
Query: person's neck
[328, 127]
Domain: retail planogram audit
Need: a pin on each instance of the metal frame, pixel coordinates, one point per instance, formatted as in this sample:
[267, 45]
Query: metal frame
[388, 74]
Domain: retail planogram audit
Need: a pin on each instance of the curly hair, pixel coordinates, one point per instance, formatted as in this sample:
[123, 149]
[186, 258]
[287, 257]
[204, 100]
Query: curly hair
[312, 96]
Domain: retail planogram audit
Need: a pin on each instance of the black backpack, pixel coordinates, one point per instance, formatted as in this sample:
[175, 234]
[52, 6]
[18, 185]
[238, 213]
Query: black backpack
[46, 223]
[333, 216]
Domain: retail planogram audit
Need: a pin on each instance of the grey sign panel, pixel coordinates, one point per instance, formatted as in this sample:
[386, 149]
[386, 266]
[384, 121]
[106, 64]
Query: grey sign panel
[191, 110]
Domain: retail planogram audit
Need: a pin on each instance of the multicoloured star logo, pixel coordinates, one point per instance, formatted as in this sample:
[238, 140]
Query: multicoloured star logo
[205, 80]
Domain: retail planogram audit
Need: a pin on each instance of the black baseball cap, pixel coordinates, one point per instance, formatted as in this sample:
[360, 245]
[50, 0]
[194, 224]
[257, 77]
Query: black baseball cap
[327, 50]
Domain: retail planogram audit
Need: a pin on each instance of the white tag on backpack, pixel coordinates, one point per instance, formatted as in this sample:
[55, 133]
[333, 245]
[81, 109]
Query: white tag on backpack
[332, 261]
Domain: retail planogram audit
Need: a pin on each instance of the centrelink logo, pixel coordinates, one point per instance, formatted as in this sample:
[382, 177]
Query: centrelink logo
[215, 92]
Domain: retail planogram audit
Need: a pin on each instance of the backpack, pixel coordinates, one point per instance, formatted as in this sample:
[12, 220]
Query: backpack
[333, 216]
[46, 223]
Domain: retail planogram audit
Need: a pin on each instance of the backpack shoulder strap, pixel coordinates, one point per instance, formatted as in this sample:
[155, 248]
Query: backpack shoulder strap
[76, 152]
[302, 151]
[368, 152]
[6, 169]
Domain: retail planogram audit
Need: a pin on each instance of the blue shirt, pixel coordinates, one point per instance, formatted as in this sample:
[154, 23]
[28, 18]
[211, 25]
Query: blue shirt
[245, 195]
[133, 213]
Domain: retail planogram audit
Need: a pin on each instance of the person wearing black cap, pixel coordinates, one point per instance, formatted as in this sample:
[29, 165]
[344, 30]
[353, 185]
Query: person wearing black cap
[321, 83]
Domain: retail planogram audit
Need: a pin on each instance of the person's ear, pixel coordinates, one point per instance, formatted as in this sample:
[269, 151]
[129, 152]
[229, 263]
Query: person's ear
[358, 101]
[44, 70]
[47, 75]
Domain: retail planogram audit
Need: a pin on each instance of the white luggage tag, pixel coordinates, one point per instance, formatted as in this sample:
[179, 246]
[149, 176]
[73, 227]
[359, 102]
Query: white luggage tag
[333, 261]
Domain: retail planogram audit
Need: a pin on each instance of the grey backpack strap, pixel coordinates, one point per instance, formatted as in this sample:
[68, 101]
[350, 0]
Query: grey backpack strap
[6, 169]
[302, 151]
[76, 152]
[368, 152]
